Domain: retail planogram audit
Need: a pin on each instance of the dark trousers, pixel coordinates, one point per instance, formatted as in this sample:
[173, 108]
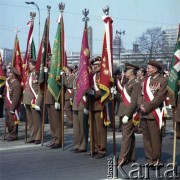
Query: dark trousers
[1, 107]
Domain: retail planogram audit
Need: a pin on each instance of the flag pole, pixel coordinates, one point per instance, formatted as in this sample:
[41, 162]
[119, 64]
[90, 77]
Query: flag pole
[61, 8]
[45, 81]
[174, 146]
[106, 12]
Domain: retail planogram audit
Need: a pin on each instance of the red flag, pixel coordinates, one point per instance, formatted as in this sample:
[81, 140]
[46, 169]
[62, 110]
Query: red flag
[107, 61]
[82, 82]
[17, 58]
[28, 51]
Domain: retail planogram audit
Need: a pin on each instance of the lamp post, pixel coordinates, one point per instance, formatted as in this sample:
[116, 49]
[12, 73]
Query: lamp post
[33, 3]
[123, 33]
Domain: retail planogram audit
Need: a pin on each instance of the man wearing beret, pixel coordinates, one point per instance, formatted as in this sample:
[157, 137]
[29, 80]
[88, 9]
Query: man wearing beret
[151, 103]
[130, 97]
[12, 102]
[32, 101]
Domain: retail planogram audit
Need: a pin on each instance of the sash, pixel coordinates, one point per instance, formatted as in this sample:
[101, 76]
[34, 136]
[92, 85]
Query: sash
[157, 113]
[33, 102]
[125, 96]
[9, 102]
[127, 101]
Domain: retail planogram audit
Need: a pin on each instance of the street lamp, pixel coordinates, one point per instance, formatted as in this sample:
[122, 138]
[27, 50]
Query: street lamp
[33, 3]
[123, 33]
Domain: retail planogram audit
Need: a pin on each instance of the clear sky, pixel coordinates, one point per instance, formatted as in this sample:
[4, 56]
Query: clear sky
[133, 16]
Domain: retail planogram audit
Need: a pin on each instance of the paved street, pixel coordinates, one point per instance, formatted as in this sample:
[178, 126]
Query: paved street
[34, 162]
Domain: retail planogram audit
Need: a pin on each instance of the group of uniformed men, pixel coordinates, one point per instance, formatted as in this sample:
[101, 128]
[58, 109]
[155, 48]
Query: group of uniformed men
[141, 95]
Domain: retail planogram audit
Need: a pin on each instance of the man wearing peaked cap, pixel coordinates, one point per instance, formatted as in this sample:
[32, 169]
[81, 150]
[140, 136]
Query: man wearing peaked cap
[127, 109]
[131, 66]
[15, 71]
[12, 102]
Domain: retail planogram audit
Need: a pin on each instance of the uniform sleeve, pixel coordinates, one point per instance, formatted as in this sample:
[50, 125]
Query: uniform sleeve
[158, 97]
[16, 96]
[134, 100]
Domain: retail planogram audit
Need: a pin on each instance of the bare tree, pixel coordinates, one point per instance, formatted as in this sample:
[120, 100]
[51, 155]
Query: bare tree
[151, 41]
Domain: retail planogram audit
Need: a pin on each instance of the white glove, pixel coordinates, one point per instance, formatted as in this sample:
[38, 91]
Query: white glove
[25, 105]
[113, 90]
[91, 92]
[86, 112]
[45, 69]
[61, 73]
[125, 119]
[12, 112]
[37, 108]
[0, 96]
[57, 105]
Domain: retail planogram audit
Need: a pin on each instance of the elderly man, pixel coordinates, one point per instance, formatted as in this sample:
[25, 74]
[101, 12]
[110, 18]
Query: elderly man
[151, 102]
[129, 96]
[12, 102]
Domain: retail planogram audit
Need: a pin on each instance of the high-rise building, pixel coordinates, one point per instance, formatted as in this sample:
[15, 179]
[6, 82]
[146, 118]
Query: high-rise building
[6, 54]
[169, 38]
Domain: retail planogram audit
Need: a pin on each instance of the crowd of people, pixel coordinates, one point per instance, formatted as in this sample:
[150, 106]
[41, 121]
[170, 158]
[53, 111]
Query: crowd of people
[140, 95]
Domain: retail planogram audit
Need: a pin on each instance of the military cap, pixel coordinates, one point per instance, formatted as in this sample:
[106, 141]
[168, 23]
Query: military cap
[15, 71]
[143, 69]
[96, 59]
[131, 66]
[32, 61]
[155, 64]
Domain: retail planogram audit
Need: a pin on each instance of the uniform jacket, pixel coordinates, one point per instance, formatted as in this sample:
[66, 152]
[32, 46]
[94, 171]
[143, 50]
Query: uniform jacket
[28, 95]
[96, 104]
[133, 89]
[158, 86]
[15, 95]
[177, 113]
[68, 83]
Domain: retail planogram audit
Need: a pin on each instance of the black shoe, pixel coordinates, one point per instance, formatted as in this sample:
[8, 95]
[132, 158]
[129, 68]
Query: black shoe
[100, 155]
[55, 146]
[74, 149]
[37, 142]
[49, 144]
[80, 151]
[30, 141]
[10, 138]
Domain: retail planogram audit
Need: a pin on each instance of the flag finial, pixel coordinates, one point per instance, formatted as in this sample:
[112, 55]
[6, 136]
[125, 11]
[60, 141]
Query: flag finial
[61, 7]
[48, 8]
[33, 15]
[85, 13]
[106, 10]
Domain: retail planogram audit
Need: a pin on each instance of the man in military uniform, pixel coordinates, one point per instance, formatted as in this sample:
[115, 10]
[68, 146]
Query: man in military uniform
[80, 143]
[69, 79]
[32, 101]
[99, 129]
[12, 102]
[129, 96]
[55, 120]
[151, 102]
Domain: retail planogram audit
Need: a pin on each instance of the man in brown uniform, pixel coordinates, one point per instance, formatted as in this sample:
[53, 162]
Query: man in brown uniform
[133, 88]
[54, 115]
[12, 102]
[32, 101]
[69, 79]
[80, 144]
[151, 102]
[99, 129]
